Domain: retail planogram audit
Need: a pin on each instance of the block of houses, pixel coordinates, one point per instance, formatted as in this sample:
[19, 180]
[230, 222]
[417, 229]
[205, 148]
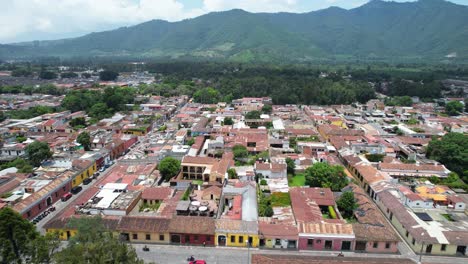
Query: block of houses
[143, 229]
[271, 170]
[192, 230]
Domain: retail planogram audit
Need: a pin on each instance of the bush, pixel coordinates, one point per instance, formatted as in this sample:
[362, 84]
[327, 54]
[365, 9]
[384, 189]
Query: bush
[263, 182]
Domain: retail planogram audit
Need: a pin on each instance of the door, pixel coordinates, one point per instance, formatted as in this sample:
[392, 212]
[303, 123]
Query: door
[175, 239]
[222, 240]
[328, 244]
[346, 245]
[49, 201]
[429, 249]
[361, 246]
[461, 250]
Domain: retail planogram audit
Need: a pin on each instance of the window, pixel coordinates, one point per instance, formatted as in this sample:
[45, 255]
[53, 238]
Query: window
[414, 241]
[407, 233]
[195, 238]
[310, 242]
[187, 238]
[29, 214]
[56, 194]
[241, 239]
[39, 205]
[208, 238]
[233, 239]
[387, 245]
[278, 242]
[64, 188]
[135, 236]
[443, 247]
[375, 245]
[148, 237]
[328, 244]
[161, 237]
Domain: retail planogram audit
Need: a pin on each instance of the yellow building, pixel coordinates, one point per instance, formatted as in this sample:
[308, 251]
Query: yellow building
[85, 169]
[60, 225]
[141, 229]
[236, 233]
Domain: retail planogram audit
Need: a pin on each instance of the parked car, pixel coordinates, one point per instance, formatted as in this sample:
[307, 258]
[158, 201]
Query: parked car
[66, 197]
[197, 262]
[102, 169]
[76, 189]
[87, 181]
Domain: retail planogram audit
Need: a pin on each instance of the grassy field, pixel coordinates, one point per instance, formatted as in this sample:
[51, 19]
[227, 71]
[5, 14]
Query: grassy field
[280, 199]
[298, 180]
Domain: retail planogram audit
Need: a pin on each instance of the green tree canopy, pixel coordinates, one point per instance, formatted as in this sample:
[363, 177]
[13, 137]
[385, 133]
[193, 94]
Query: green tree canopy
[228, 121]
[169, 167]
[451, 150]
[240, 152]
[206, 95]
[47, 75]
[232, 173]
[78, 122]
[93, 243]
[267, 109]
[347, 204]
[326, 176]
[253, 115]
[454, 108]
[19, 240]
[85, 140]
[108, 75]
[37, 152]
[291, 166]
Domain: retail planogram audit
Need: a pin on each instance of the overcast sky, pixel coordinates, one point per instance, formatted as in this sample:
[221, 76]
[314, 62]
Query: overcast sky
[24, 20]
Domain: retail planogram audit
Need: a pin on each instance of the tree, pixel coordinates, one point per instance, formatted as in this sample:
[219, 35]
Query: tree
[454, 108]
[47, 75]
[347, 204]
[190, 142]
[93, 243]
[451, 150]
[232, 173]
[37, 152]
[108, 75]
[78, 122]
[240, 152]
[326, 176]
[267, 109]
[206, 95]
[253, 115]
[228, 121]
[291, 166]
[84, 139]
[68, 75]
[169, 167]
[19, 240]
[99, 111]
[2, 116]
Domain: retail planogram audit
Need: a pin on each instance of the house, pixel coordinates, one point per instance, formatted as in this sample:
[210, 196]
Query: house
[277, 235]
[271, 170]
[236, 233]
[414, 170]
[319, 224]
[205, 168]
[373, 233]
[142, 229]
[192, 230]
[154, 195]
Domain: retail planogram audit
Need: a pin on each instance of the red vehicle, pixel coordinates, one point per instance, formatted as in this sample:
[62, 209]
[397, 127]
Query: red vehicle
[197, 262]
[66, 197]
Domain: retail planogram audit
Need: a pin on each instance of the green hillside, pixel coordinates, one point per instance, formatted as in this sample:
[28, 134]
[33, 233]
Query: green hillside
[427, 29]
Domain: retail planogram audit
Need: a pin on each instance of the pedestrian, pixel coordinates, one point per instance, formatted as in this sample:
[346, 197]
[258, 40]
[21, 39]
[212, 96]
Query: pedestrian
[204, 243]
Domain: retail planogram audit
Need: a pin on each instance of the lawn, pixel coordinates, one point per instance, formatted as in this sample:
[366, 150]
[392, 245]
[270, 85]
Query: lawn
[280, 199]
[298, 180]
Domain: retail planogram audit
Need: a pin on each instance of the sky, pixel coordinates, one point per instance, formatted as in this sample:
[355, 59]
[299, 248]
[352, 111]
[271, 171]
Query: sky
[26, 20]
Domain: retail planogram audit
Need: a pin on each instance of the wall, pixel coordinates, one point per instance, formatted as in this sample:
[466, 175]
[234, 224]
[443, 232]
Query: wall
[55, 196]
[63, 233]
[195, 239]
[78, 179]
[236, 243]
[381, 247]
[319, 243]
[271, 243]
[154, 237]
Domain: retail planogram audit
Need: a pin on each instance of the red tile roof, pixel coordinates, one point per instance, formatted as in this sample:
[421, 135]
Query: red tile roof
[157, 193]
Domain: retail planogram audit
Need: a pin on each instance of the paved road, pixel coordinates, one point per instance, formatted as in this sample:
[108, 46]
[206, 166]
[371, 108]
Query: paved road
[162, 254]
[59, 205]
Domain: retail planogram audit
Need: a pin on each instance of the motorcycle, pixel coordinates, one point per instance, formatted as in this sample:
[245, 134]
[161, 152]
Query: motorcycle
[191, 258]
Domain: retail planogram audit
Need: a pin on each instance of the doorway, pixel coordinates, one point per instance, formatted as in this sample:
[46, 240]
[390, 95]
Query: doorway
[429, 249]
[361, 246]
[461, 250]
[346, 245]
[222, 241]
[175, 239]
[328, 244]
[49, 201]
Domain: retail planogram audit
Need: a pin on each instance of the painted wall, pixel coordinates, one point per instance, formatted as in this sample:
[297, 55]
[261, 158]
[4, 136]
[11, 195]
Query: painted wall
[381, 247]
[140, 237]
[239, 240]
[271, 243]
[319, 243]
[195, 239]
[78, 179]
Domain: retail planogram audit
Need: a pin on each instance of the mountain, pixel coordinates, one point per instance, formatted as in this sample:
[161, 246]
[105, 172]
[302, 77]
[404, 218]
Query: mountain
[426, 29]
